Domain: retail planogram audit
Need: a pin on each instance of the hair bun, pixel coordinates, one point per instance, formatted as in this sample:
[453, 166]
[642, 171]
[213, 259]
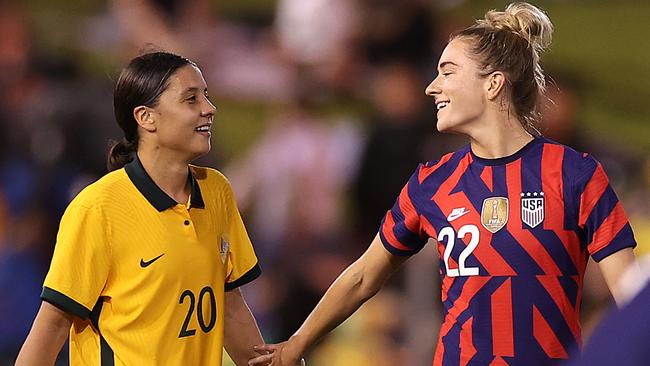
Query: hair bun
[524, 19]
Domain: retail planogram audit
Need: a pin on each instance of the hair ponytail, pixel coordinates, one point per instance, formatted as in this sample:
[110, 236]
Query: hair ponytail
[120, 154]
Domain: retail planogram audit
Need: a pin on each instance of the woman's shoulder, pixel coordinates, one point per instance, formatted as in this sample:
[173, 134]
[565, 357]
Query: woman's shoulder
[112, 187]
[578, 167]
[574, 159]
[209, 174]
[210, 178]
[429, 167]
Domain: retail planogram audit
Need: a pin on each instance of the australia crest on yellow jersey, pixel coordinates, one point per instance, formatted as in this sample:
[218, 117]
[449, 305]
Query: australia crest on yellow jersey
[225, 247]
[494, 214]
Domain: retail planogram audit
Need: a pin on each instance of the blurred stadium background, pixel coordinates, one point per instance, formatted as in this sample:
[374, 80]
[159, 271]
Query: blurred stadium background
[321, 119]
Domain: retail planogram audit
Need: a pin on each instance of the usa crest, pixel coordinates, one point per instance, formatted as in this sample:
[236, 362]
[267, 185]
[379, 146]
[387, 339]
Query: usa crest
[225, 247]
[532, 208]
[494, 214]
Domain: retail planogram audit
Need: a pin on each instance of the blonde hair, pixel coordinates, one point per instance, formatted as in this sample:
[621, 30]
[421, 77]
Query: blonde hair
[511, 41]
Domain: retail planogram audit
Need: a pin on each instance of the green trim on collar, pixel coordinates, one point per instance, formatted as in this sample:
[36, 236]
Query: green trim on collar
[196, 199]
[159, 199]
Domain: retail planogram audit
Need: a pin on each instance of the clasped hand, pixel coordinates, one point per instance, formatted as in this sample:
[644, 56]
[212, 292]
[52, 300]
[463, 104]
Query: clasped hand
[280, 354]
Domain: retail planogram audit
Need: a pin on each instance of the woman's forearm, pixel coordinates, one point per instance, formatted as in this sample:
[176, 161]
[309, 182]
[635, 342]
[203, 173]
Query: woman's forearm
[240, 328]
[358, 283]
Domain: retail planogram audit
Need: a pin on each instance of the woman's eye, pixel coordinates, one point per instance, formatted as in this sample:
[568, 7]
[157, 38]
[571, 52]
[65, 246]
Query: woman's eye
[191, 99]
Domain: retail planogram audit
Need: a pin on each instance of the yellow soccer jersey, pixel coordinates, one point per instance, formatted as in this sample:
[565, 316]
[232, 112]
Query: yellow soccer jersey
[146, 276]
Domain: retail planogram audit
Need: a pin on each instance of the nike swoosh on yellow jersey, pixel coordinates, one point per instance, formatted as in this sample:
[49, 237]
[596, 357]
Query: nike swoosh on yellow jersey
[144, 264]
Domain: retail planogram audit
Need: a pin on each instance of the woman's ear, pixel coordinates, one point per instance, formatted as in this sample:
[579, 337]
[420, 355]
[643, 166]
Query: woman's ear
[144, 116]
[495, 84]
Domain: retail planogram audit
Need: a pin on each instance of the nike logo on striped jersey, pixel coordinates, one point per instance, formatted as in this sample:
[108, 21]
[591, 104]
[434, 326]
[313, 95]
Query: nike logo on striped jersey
[456, 213]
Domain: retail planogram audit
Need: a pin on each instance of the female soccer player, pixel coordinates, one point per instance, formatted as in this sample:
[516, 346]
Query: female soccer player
[149, 258]
[515, 215]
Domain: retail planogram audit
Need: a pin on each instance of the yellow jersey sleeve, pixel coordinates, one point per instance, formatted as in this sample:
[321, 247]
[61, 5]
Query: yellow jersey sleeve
[81, 261]
[241, 263]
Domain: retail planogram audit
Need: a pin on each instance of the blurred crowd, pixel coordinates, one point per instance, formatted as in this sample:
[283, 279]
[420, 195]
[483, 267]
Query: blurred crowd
[321, 120]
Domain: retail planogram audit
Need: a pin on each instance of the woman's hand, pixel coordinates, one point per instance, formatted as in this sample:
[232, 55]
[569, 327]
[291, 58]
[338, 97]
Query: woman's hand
[281, 354]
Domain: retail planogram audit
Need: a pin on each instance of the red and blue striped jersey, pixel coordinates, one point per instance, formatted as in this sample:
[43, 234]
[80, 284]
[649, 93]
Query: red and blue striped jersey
[514, 236]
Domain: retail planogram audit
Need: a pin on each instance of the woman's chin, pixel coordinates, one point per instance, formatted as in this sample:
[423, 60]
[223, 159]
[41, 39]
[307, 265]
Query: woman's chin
[199, 152]
[444, 127]
[451, 127]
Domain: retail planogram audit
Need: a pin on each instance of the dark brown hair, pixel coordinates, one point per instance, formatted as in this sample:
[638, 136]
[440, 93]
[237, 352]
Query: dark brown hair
[140, 84]
[510, 41]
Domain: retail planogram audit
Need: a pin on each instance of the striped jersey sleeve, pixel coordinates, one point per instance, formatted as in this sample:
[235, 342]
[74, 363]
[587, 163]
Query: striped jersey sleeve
[601, 217]
[401, 229]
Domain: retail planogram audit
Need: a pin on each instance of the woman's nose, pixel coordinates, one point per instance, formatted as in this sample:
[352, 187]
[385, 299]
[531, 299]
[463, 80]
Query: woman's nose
[432, 89]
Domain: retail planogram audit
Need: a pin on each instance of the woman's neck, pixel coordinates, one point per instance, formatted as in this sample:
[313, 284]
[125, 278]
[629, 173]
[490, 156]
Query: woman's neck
[169, 174]
[498, 138]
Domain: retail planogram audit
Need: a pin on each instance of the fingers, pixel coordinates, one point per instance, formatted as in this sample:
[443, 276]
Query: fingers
[261, 351]
[261, 360]
[266, 348]
[268, 359]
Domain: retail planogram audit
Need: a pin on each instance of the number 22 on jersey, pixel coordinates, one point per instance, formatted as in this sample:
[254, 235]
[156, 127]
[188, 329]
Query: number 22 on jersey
[448, 235]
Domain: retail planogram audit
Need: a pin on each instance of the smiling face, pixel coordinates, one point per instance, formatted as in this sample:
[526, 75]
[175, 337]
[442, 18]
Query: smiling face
[459, 90]
[184, 114]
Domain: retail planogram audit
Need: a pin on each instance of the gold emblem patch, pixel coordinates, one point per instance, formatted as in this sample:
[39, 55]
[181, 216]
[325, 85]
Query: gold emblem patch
[494, 214]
